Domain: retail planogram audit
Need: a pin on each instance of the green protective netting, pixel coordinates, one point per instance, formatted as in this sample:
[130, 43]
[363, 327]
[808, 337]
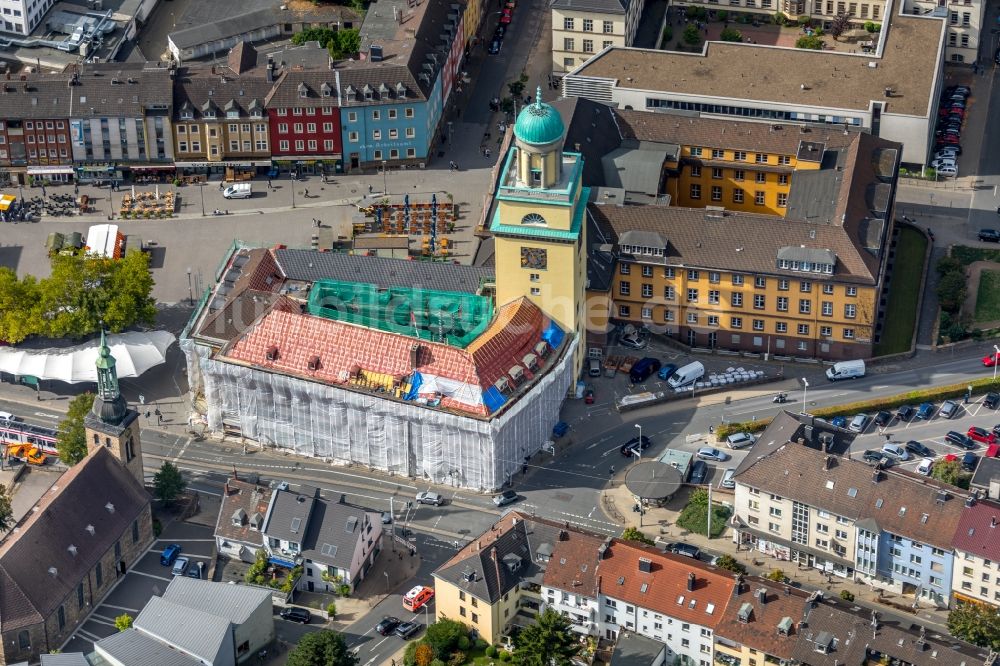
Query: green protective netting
[454, 318]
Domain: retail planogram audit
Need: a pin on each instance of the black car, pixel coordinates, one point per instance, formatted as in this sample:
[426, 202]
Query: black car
[969, 461]
[495, 46]
[500, 31]
[918, 449]
[991, 400]
[905, 413]
[407, 629]
[628, 448]
[960, 440]
[883, 418]
[294, 614]
[387, 625]
[685, 549]
[699, 470]
[989, 235]
[874, 457]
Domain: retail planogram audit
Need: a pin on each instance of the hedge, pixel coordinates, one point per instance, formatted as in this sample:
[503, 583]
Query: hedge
[889, 402]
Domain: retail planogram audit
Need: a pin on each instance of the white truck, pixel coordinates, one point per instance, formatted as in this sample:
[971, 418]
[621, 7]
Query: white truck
[687, 375]
[846, 370]
[238, 191]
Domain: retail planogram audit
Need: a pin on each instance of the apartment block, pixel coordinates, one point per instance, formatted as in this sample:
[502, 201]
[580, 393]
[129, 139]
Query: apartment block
[976, 575]
[800, 498]
[579, 30]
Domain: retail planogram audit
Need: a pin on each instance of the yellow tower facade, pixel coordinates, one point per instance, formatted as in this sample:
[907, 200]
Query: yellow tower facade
[539, 226]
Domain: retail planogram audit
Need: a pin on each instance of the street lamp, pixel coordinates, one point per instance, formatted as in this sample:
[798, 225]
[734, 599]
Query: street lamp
[190, 289]
[638, 449]
[805, 394]
[385, 179]
[201, 188]
[386, 581]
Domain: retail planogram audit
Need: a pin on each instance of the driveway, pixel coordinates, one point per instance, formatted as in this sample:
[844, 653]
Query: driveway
[144, 579]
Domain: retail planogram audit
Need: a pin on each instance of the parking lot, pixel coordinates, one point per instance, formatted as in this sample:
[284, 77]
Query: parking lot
[145, 578]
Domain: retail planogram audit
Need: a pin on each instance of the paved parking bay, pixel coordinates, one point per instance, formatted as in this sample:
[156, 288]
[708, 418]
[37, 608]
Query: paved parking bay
[144, 579]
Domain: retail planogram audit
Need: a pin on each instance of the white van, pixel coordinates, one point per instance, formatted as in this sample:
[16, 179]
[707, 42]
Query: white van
[846, 370]
[238, 191]
[948, 171]
[687, 375]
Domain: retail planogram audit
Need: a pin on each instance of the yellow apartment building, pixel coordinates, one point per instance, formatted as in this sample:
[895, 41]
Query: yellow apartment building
[581, 29]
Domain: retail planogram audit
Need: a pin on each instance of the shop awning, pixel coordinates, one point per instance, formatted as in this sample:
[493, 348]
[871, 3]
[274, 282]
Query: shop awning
[6, 200]
[198, 165]
[104, 168]
[152, 167]
[41, 171]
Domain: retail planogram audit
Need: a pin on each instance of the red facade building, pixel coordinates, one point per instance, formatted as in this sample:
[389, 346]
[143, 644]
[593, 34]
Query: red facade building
[34, 140]
[304, 117]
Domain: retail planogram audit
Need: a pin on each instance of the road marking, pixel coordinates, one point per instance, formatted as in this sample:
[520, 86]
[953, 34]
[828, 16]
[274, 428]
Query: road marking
[143, 573]
[47, 416]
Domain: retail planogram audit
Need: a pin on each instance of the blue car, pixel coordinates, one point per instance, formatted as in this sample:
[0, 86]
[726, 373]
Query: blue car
[925, 411]
[839, 421]
[560, 429]
[666, 370]
[170, 554]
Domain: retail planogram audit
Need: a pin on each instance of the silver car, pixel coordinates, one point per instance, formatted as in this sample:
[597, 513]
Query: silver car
[858, 423]
[427, 497]
[740, 439]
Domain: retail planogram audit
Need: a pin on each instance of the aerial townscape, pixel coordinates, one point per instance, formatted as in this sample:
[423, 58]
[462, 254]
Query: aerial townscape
[444, 333]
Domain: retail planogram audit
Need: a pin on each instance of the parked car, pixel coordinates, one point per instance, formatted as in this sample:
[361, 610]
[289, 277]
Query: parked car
[839, 421]
[180, 566]
[728, 479]
[387, 625]
[895, 451]
[874, 457]
[698, 473]
[905, 413]
[296, 614]
[883, 418]
[628, 448]
[495, 46]
[594, 367]
[858, 423]
[506, 497]
[633, 342]
[170, 554]
[641, 371]
[982, 435]
[685, 549]
[989, 235]
[427, 497]
[710, 453]
[196, 570]
[937, 164]
[959, 439]
[918, 449]
[407, 629]
[969, 461]
[500, 32]
[666, 370]
[924, 467]
[991, 400]
[925, 411]
[738, 440]
[990, 360]
[949, 408]
[418, 597]
[386, 518]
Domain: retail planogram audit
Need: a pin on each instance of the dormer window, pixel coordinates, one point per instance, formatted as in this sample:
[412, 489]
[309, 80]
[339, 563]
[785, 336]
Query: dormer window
[187, 115]
[233, 114]
[400, 91]
[351, 93]
[303, 90]
[326, 90]
[368, 92]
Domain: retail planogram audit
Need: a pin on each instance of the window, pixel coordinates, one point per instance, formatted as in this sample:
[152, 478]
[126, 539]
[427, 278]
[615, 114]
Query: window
[569, 44]
[716, 193]
[718, 154]
[758, 324]
[782, 304]
[24, 640]
[696, 171]
[692, 317]
[773, 527]
[736, 299]
[568, 24]
[647, 271]
[713, 297]
[300, 144]
[781, 327]
[782, 285]
[736, 322]
[827, 288]
[668, 272]
[695, 191]
[692, 296]
[805, 306]
[669, 293]
[775, 512]
[713, 320]
[740, 156]
[625, 288]
[759, 301]
[668, 315]
[98, 575]
[782, 200]
[588, 46]
[624, 269]
[376, 135]
[716, 172]
[696, 151]
[351, 136]
[848, 333]
[135, 531]
[714, 277]
[803, 329]
[852, 291]
[410, 133]
[737, 279]
[827, 309]
[850, 310]
[760, 177]
[738, 196]
[693, 275]
[609, 27]
[393, 133]
[782, 179]
[758, 198]
[606, 43]
[588, 25]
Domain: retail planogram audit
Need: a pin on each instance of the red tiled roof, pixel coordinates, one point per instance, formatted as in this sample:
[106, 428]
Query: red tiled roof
[344, 348]
[666, 584]
[978, 531]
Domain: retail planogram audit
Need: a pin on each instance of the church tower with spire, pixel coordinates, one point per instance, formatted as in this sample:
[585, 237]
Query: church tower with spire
[111, 424]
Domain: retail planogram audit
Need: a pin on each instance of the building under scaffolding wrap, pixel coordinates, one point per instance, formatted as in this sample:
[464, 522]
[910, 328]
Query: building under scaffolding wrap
[401, 366]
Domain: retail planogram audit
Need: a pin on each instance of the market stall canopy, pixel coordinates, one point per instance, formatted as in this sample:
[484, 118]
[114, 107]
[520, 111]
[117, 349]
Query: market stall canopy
[135, 353]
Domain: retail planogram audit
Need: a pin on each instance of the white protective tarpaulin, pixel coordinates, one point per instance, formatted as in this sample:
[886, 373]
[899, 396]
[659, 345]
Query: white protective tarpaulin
[134, 353]
[353, 427]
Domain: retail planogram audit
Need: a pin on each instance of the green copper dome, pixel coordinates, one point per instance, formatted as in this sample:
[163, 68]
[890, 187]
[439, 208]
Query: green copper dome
[539, 123]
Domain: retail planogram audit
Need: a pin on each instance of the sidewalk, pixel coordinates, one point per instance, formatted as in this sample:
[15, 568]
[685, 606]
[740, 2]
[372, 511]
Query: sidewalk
[659, 525]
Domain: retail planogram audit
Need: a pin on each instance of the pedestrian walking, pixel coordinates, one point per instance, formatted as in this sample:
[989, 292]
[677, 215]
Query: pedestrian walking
[370, 188]
[269, 186]
[305, 192]
[76, 188]
[487, 153]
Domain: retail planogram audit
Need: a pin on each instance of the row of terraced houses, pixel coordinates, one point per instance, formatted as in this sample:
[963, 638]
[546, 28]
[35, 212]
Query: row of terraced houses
[291, 110]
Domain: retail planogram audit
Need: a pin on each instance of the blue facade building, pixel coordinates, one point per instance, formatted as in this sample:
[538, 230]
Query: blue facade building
[911, 567]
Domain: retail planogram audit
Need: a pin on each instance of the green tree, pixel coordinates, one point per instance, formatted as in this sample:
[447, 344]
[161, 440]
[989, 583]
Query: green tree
[443, 637]
[730, 563]
[948, 264]
[321, 35]
[950, 471]
[978, 624]
[731, 35]
[809, 42]
[699, 497]
[423, 655]
[871, 26]
[6, 510]
[123, 622]
[548, 641]
[691, 35]
[17, 299]
[777, 575]
[722, 15]
[72, 444]
[168, 482]
[841, 23]
[131, 284]
[322, 648]
[633, 534]
[516, 88]
[345, 43]
[951, 291]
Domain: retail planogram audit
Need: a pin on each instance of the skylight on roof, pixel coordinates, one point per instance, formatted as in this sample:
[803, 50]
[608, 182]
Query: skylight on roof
[829, 485]
[924, 517]
[902, 511]
[692, 603]
[680, 600]
[878, 503]
[852, 492]
[645, 586]
[710, 609]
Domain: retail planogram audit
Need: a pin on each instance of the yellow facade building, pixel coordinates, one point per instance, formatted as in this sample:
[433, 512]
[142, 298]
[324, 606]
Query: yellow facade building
[580, 30]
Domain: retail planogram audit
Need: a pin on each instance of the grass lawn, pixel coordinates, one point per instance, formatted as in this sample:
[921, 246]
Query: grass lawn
[904, 292]
[988, 297]
[694, 516]
[967, 255]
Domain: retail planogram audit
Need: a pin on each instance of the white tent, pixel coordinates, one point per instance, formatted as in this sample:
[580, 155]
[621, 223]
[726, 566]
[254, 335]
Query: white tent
[134, 353]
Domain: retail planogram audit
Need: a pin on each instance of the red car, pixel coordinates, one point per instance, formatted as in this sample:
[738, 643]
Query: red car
[506, 17]
[588, 396]
[991, 360]
[982, 435]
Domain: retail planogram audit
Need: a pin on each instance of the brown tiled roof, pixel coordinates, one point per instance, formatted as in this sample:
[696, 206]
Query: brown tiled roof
[574, 565]
[664, 588]
[241, 311]
[760, 630]
[790, 76]
[37, 568]
[219, 85]
[320, 88]
[901, 504]
[735, 241]
[250, 498]
[242, 57]
[978, 531]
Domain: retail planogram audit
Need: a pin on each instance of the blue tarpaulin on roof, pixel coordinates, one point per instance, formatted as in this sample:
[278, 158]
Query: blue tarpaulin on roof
[415, 381]
[493, 399]
[553, 335]
[288, 564]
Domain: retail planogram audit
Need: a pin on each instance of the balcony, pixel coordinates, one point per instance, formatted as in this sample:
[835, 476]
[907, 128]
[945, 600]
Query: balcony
[723, 659]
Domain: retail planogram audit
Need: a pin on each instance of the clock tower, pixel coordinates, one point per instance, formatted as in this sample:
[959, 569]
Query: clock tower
[538, 226]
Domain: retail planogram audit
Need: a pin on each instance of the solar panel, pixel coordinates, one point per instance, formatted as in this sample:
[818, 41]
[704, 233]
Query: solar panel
[329, 550]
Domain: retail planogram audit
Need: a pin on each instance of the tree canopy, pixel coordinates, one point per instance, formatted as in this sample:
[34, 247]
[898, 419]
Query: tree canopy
[81, 292]
[168, 482]
[6, 510]
[548, 641]
[72, 444]
[443, 637]
[809, 42]
[322, 648]
[730, 563]
[978, 624]
[633, 534]
[340, 43]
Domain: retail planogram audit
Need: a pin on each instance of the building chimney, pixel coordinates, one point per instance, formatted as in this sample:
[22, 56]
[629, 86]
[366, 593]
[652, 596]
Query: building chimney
[691, 580]
[645, 565]
[993, 521]
[270, 71]
[738, 584]
[762, 595]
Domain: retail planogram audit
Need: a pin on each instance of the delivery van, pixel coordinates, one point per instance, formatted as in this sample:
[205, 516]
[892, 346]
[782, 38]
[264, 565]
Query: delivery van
[687, 375]
[238, 191]
[846, 370]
